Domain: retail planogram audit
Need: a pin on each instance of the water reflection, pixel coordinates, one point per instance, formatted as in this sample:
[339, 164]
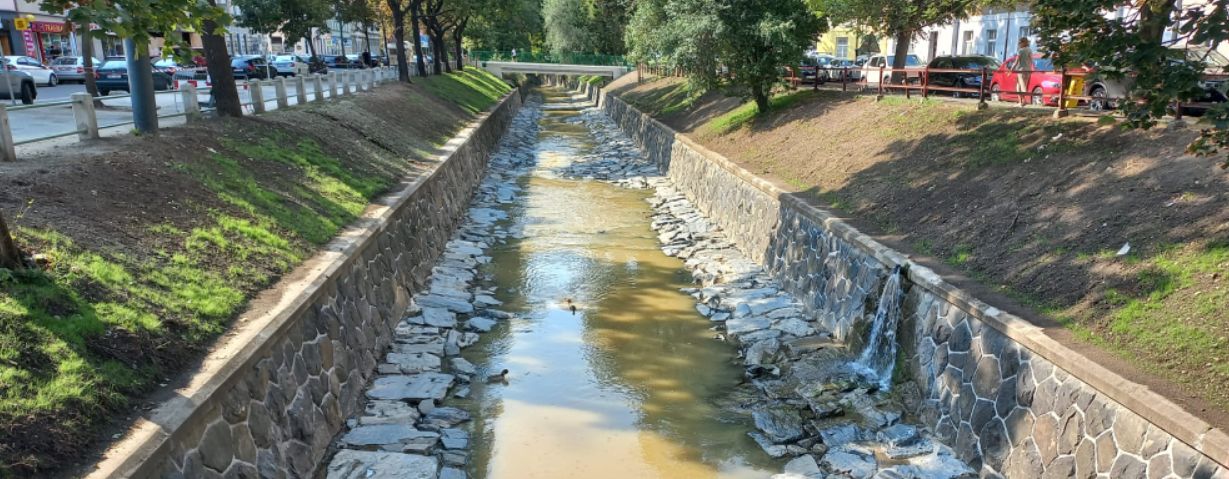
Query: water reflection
[622, 387]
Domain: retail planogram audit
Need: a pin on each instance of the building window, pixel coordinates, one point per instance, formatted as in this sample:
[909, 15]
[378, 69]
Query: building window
[967, 45]
[992, 39]
[842, 47]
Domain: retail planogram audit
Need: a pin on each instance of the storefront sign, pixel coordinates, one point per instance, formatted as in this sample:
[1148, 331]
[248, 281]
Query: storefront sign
[31, 46]
[21, 24]
[49, 27]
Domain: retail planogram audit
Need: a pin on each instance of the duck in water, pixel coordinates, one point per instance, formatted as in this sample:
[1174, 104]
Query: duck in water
[502, 377]
[571, 305]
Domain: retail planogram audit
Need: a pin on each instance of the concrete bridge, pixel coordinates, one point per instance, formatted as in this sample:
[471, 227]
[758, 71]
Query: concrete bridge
[500, 68]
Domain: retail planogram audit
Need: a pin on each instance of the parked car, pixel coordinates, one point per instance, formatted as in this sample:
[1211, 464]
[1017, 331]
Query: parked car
[17, 84]
[970, 79]
[113, 76]
[355, 60]
[72, 68]
[808, 69]
[1104, 88]
[871, 70]
[168, 66]
[291, 65]
[335, 61]
[251, 67]
[849, 68]
[1044, 83]
[42, 74]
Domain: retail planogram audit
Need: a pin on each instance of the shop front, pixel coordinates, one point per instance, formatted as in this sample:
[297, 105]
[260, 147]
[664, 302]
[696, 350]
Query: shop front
[47, 41]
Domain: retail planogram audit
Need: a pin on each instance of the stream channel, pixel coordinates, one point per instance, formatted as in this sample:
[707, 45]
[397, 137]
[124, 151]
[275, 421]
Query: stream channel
[635, 341]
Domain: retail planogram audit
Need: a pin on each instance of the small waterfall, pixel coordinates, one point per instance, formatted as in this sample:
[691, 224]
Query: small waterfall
[879, 356]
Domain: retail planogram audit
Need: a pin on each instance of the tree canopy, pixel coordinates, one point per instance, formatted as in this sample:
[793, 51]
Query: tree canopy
[1143, 44]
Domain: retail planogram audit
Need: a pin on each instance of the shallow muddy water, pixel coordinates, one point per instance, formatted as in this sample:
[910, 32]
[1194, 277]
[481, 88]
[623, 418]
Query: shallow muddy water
[625, 385]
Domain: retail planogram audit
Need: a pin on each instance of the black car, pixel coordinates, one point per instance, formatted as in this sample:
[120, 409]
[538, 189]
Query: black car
[113, 75]
[251, 67]
[333, 62]
[969, 79]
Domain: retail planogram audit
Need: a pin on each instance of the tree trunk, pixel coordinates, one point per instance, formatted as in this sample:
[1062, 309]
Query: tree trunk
[224, 94]
[415, 18]
[901, 56]
[367, 36]
[87, 54]
[403, 67]
[441, 52]
[457, 34]
[436, 47]
[761, 98]
[341, 36]
[1154, 17]
[10, 256]
[311, 46]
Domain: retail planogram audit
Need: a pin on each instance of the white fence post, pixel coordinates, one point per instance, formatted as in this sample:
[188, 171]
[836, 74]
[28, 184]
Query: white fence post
[8, 151]
[318, 82]
[191, 104]
[345, 83]
[83, 112]
[371, 79]
[258, 96]
[332, 84]
[279, 86]
[300, 86]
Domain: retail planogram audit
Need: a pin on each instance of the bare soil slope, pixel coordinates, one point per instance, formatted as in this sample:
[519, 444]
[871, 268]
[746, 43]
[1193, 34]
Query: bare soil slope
[1027, 211]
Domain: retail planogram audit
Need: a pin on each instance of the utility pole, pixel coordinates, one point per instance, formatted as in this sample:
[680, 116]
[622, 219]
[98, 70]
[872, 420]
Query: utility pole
[141, 80]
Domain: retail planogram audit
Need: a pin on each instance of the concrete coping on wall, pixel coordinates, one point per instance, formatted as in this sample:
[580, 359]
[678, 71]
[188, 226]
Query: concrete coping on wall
[1153, 407]
[268, 318]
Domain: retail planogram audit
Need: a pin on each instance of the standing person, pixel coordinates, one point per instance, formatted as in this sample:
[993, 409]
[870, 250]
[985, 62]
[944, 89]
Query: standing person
[1024, 69]
[513, 54]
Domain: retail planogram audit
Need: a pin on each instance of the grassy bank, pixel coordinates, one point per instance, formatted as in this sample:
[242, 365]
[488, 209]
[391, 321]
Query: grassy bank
[153, 245]
[1032, 209]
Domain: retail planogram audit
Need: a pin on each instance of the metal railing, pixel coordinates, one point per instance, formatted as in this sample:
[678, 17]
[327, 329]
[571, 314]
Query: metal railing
[1061, 89]
[185, 102]
[544, 57]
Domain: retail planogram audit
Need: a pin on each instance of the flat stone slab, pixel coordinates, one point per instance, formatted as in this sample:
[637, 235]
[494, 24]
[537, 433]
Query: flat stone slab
[779, 424]
[439, 317]
[746, 324]
[454, 438]
[409, 363]
[435, 347]
[388, 412]
[452, 304]
[480, 324]
[851, 463]
[351, 464]
[383, 434]
[414, 387]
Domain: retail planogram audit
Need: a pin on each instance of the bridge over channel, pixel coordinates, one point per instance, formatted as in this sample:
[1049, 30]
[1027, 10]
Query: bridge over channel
[499, 68]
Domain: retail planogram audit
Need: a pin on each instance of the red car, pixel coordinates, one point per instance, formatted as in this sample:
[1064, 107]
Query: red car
[1044, 82]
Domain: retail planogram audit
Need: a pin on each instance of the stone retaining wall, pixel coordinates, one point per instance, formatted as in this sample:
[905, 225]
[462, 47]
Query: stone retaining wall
[1011, 400]
[307, 348]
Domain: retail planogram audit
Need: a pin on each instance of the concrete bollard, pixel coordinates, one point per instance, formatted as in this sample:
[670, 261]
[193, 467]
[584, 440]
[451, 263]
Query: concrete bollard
[8, 151]
[83, 113]
[300, 87]
[258, 95]
[371, 80]
[318, 83]
[279, 86]
[332, 84]
[191, 104]
[345, 82]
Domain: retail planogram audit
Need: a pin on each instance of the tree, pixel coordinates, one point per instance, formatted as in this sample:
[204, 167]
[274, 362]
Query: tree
[1080, 32]
[87, 59]
[682, 34]
[437, 29]
[10, 256]
[757, 37]
[607, 21]
[354, 11]
[223, 92]
[397, 11]
[416, 20]
[136, 19]
[902, 20]
[502, 25]
[294, 18]
[567, 25]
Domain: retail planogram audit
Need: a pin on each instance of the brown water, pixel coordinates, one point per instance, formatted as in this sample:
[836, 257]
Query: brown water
[625, 386]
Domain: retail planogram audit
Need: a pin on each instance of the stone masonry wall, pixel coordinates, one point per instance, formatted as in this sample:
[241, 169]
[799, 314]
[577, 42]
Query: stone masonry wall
[1010, 400]
[273, 408]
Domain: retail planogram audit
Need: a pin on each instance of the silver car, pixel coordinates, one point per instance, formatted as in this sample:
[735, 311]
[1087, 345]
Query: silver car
[17, 84]
[70, 69]
[291, 65]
